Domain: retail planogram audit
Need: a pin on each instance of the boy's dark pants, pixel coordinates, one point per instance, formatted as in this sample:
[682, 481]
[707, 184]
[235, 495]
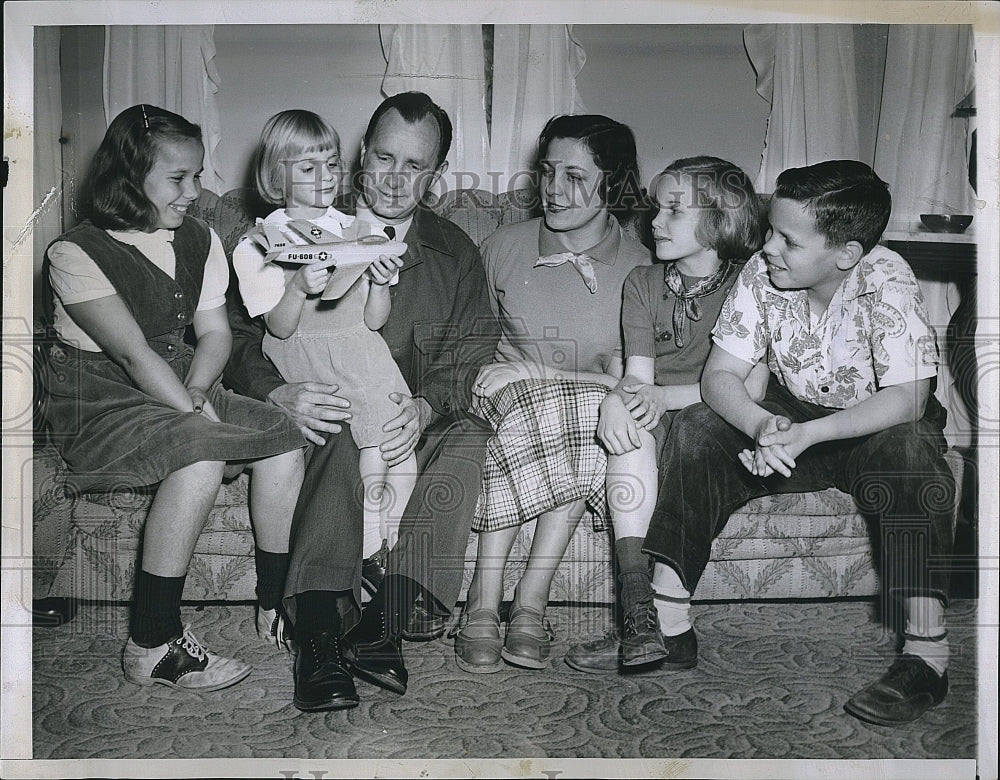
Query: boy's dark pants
[897, 477]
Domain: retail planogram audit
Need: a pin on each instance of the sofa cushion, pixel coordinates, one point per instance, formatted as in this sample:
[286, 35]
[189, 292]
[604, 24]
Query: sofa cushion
[821, 502]
[477, 212]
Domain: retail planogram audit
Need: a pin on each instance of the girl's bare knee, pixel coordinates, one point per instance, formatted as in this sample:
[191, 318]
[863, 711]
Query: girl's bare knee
[198, 474]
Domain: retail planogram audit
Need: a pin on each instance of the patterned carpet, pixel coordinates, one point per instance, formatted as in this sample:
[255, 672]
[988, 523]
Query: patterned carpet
[770, 683]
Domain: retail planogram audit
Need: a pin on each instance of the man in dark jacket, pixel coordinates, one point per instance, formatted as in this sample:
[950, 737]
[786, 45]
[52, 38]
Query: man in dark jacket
[440, 331]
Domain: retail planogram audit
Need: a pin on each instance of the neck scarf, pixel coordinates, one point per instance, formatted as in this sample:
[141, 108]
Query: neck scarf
[582, 263]
[686, 306]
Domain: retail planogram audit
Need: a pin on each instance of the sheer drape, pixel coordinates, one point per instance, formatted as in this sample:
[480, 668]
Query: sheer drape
[807, 74]
[922, 147]
[922, 153]
[446, 62]
[168, 66]
[534, 77]
[47, 221]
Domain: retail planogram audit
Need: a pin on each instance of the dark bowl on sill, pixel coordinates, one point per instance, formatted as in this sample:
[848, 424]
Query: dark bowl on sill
[946, 223]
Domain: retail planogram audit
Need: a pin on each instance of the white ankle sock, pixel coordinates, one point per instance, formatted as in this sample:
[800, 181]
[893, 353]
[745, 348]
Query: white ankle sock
[672, 601]
[934, 651]
[925, 635]
[372, 541]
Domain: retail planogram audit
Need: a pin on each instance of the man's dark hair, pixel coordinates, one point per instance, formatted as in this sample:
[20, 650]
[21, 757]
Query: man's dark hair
[413, 107]
[847, 199]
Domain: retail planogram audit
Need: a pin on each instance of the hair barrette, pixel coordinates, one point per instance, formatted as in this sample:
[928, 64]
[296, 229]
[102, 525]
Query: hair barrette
[145, 118]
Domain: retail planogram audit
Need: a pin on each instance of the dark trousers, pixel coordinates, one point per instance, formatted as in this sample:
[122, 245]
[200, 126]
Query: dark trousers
[328, 523]
[898, 478]
[434, 531]
[328, 527]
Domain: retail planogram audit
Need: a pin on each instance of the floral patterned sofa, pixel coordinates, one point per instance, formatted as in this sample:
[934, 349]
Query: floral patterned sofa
[809, 545]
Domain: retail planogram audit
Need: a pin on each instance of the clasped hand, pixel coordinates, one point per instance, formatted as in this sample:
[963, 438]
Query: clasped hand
[621, 418]
[778, 442]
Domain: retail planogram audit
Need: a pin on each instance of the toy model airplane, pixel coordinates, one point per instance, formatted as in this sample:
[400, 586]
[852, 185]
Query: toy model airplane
[300, 242]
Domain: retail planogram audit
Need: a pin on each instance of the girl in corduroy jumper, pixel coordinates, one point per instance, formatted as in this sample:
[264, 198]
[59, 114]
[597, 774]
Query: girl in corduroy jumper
[133, 402]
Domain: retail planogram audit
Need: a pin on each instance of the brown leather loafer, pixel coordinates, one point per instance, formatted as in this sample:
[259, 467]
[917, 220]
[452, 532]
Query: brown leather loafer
[529, 638]
[682, 651]
[478, 643]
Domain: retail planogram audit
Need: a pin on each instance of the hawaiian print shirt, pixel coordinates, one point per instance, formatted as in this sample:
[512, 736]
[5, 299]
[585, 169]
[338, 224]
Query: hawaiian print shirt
[875, 332]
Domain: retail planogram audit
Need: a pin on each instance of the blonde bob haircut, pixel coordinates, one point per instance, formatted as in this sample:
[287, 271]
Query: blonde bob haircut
[730, 212]
[287, 135]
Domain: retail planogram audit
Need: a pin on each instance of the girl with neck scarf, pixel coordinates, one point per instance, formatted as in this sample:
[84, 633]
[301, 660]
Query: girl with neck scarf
[706, 226]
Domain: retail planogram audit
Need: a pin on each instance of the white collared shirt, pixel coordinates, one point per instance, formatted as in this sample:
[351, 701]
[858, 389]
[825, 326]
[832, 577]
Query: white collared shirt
[365, 215]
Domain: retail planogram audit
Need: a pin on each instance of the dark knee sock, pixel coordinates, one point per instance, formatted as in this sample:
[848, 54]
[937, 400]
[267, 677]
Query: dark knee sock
[634, 581]
[156, 609]
[271, 570]
[631, 558]
[316, 612]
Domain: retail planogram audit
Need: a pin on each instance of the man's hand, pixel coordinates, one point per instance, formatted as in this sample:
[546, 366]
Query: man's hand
[414, 415]
[316, 408]
[493, 377]
[616, 427]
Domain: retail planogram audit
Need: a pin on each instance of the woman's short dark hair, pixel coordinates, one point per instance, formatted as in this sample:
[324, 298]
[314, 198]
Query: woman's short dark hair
[612, 145]
[113, 196]
[847, 199]
[413, 107]
[730, 218]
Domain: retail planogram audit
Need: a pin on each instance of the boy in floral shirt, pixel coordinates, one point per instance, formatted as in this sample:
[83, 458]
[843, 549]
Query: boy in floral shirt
[843, 328]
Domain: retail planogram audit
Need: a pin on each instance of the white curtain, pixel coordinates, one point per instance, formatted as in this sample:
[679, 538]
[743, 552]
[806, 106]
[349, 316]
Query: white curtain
[446, 62]
[534, 78]
[922, 150]
[807, 74]
[48, 173]
[922, 153]
[172, 67]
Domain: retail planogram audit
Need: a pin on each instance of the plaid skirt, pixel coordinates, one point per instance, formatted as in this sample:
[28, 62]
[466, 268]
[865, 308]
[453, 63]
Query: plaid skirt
[544, 454]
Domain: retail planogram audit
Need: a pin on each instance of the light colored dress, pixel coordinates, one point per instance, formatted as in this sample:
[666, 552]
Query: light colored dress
[331, 344]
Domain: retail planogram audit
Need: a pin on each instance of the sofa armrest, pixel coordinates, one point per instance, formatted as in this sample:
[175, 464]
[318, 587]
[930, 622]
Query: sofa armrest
[477, 212]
